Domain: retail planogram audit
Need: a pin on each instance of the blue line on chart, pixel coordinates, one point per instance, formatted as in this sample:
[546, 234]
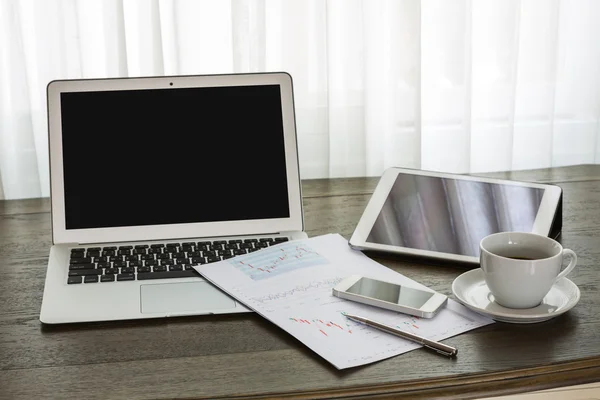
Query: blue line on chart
[277, 260]
[298, 289]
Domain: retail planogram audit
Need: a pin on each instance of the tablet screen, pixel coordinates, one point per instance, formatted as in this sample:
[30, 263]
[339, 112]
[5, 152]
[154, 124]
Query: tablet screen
[450, 215]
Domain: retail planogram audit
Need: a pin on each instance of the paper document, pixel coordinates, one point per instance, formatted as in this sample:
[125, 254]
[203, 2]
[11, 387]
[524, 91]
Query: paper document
[291, 285]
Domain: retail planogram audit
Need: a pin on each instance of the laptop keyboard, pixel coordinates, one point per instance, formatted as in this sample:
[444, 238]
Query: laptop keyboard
[155, 261]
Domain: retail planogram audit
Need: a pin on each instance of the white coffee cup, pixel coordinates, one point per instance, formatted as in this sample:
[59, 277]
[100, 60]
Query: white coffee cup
[520, 267]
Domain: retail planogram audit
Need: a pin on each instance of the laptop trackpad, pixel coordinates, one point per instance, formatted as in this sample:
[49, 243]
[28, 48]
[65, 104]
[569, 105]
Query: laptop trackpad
[183, 298]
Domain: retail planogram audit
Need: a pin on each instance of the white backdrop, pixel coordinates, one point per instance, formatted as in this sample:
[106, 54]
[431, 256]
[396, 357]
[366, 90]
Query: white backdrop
[451, 85]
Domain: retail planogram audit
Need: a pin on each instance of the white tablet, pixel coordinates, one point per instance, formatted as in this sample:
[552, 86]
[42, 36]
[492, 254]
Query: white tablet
[444, 216]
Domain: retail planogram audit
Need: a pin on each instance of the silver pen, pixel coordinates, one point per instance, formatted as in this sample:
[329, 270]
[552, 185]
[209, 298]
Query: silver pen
[436, 346]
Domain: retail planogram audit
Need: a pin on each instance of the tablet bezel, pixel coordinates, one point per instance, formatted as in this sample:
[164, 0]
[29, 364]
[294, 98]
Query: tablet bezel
[542, 224]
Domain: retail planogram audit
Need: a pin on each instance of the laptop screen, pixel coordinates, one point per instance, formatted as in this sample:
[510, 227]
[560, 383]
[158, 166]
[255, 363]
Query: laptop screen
[173, 156]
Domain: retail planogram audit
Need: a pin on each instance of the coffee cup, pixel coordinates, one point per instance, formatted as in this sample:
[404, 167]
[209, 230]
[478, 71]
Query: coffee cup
[520, 267]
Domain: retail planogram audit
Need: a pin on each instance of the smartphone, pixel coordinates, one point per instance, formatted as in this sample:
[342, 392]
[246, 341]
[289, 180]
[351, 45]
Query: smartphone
[391, 296]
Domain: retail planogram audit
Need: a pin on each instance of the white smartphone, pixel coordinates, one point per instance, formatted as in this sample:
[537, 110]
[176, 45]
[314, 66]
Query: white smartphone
[391, 296]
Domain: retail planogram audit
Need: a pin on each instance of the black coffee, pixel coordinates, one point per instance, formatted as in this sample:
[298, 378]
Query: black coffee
[527, 254]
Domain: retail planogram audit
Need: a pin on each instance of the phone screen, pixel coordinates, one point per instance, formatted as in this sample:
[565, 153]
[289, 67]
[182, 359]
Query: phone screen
[390, 292]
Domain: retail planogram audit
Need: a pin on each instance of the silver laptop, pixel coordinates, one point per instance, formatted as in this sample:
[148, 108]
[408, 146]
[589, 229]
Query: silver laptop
[151, 176]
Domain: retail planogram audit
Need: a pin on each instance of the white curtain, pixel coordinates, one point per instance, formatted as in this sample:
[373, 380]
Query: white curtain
[451, 85]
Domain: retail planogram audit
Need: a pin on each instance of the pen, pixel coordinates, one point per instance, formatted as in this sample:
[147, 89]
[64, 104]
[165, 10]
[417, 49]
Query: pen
[439, 347]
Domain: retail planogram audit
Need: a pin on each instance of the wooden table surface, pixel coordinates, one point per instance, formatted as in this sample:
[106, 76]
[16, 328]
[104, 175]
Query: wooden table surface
[246, 356]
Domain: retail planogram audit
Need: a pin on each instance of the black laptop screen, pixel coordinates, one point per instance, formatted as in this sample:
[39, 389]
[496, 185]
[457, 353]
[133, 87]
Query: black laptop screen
[169, 156]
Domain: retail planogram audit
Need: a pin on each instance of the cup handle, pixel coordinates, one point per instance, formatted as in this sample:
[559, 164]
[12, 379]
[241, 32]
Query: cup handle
[571, 265]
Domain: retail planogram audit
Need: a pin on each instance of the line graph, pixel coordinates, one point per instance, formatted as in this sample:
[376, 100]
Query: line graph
[411, 324]
[274, 261]
[325, 327]
[338, 328]
[299, 289]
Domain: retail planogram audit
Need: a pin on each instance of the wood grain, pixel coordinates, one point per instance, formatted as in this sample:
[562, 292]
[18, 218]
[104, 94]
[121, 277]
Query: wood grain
[244, 356]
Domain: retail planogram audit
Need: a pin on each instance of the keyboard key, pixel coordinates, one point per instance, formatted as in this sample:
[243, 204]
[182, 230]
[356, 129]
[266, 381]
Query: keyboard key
[124, 252]
[93, 254]
[173, 244]
[265, 240]
[235, 241]
[74, 279]
[77, 254]
[213, 259]
[155, 251]
[107, 278]
[281, 239]
[162, 256]
[125, 277]
[157, 246]
[119, 264]
[110, 248]
[147, 257]
[144, 269]
[135, 263]
[94, 249]
[85, 272]
[180, 261]
[108, 253]
[141, 246]
[139, 251]
[262, 245]
[175, 268]
[227, 256]
[91, 279]
[168, 274]
[101, 259]
[78, 250]
[103, 265]
[231, 246]
[250, 240]
[125, 247]
[159, 268]
[188, 244]
[220, 242]
[239, 252]
[167, 262]
[187, 267]
[127, 270]
[204, 243]
[150, 263]
[85, 260]
[131, 258]
[74, 267]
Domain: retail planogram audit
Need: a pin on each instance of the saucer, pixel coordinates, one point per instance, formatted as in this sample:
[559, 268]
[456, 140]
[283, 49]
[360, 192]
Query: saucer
[471, 290]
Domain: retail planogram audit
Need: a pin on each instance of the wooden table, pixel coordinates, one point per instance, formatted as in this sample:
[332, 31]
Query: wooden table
[246, 356]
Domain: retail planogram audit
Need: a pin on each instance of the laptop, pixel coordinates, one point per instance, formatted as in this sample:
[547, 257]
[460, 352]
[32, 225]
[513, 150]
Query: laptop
[152, 176]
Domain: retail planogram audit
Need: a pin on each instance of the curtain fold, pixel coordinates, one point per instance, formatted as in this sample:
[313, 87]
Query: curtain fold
[449, 85]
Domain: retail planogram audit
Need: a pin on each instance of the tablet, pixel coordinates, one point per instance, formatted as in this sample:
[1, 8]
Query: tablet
[445, 216]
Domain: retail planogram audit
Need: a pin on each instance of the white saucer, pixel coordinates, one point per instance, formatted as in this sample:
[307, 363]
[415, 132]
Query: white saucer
[471, 290]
